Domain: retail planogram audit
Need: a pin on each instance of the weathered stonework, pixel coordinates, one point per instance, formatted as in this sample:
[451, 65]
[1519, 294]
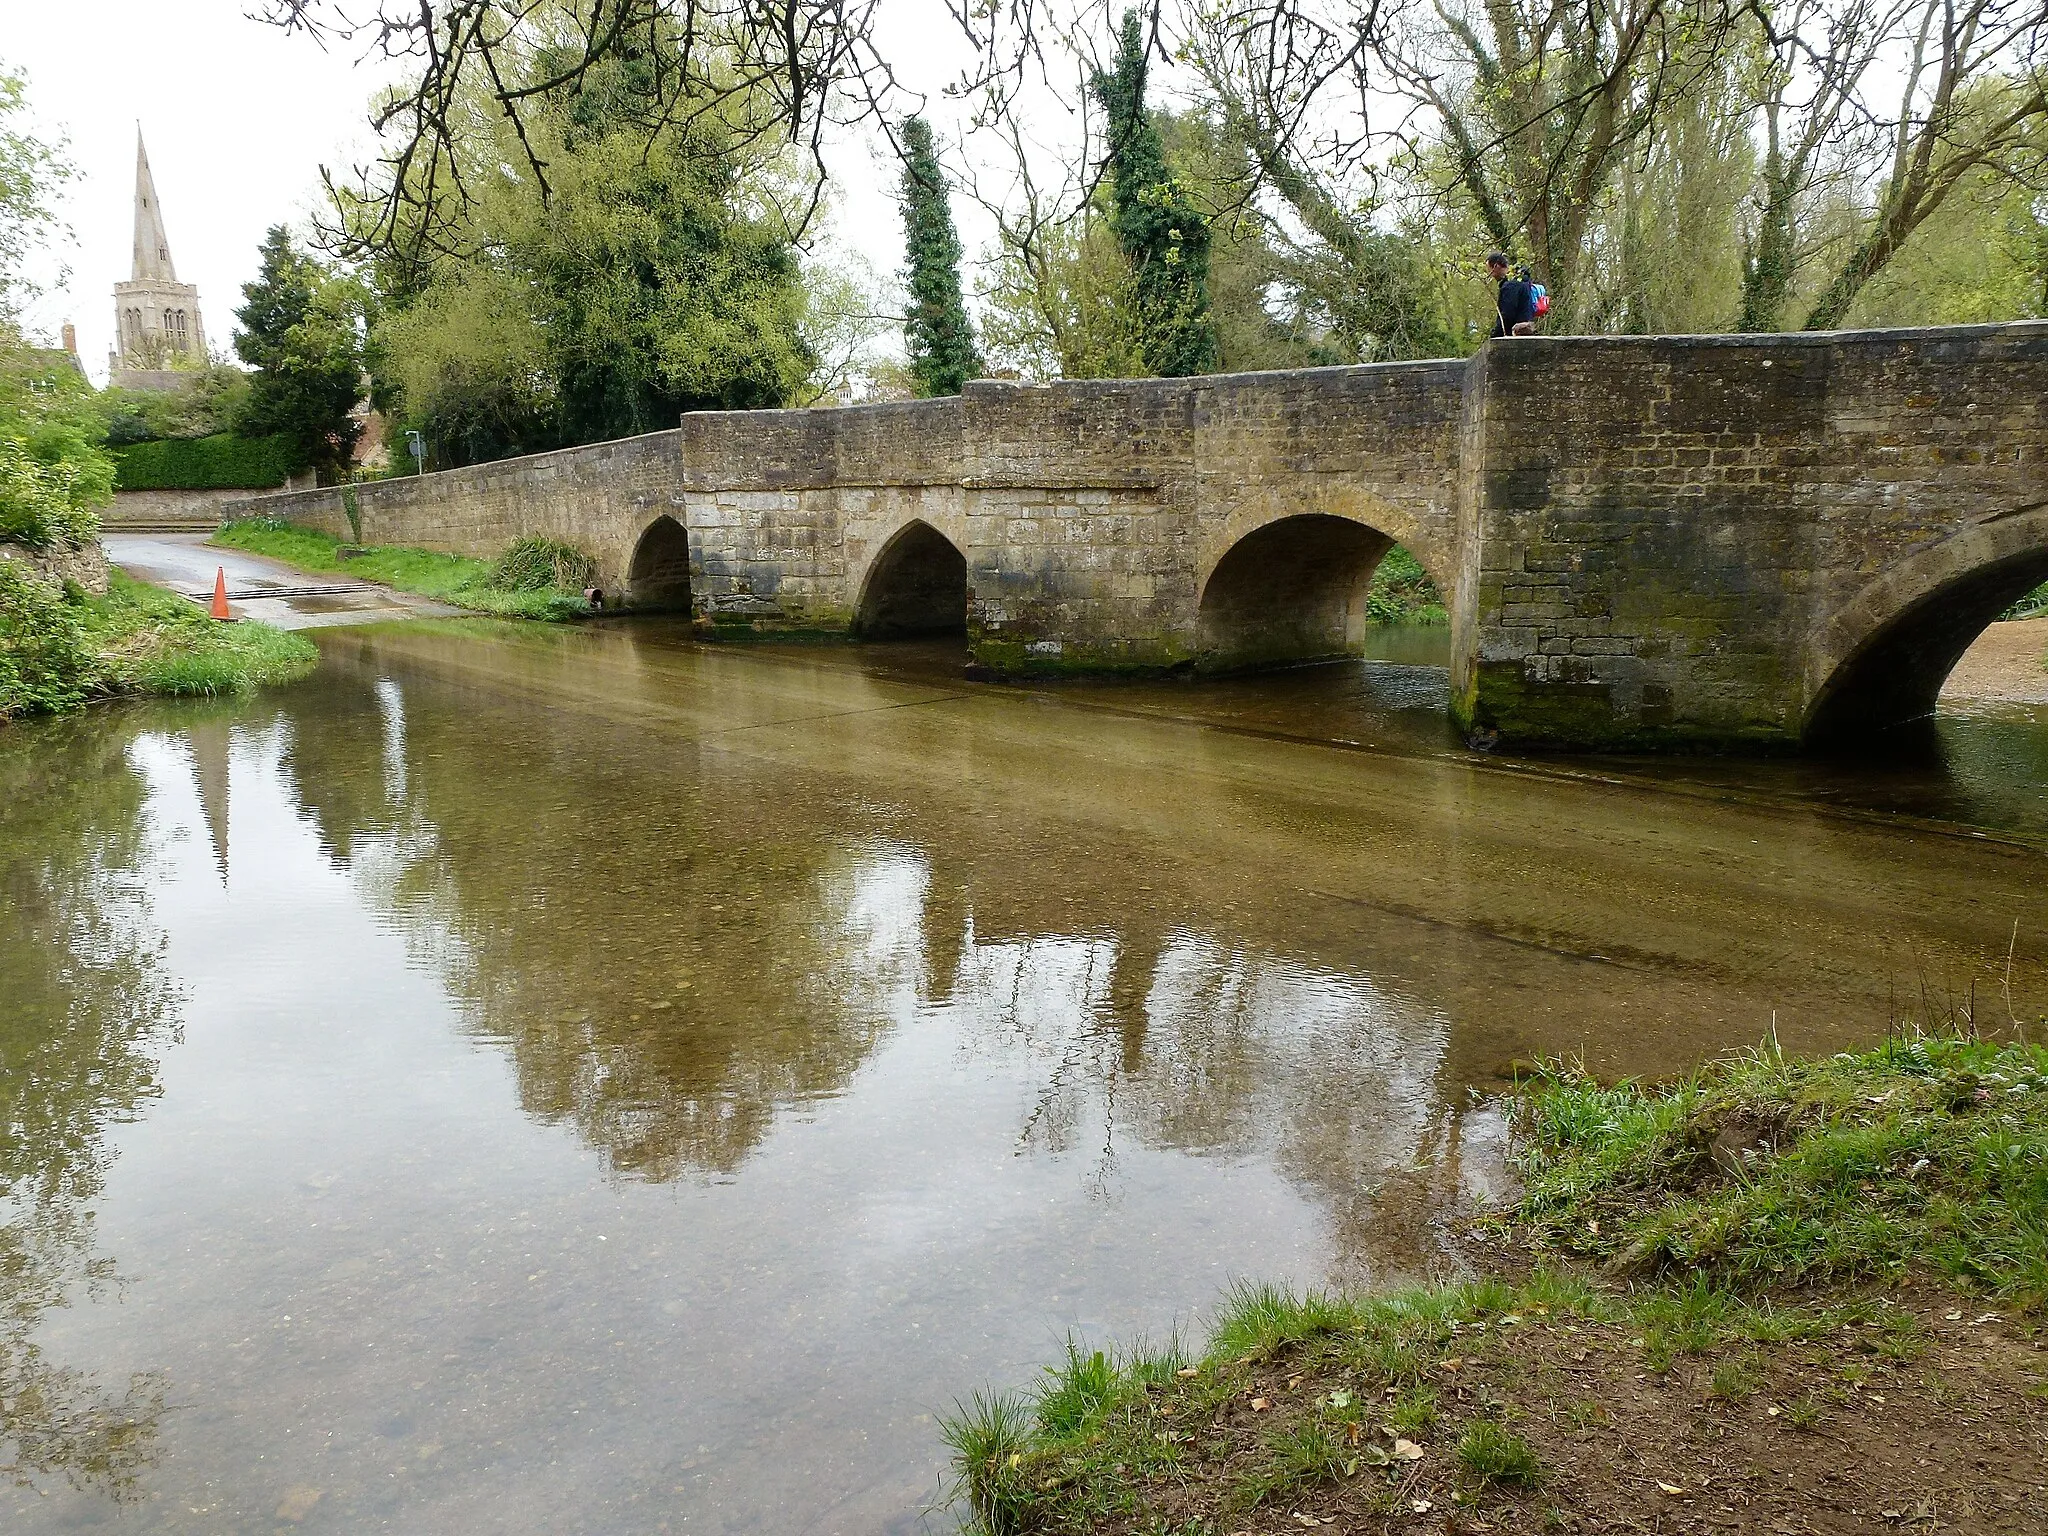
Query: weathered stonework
[84, 567]
[1726, 540]
[1644, 541]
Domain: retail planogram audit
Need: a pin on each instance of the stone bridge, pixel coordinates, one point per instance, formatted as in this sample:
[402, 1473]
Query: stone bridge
[1644, 542]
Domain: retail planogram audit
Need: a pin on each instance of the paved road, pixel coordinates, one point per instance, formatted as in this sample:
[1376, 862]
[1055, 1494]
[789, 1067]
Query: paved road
[260, 588]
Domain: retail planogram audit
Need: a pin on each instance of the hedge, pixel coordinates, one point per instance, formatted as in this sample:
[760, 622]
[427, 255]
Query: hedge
[222, 462]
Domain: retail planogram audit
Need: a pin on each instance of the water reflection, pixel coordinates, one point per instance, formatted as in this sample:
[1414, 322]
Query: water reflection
[675, 955]
[85, 1013]
[627, 1086]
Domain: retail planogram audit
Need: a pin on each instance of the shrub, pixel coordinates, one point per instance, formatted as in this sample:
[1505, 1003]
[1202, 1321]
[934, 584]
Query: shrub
[45, 501]
[46, 663]
[538, 565]
[222, 462]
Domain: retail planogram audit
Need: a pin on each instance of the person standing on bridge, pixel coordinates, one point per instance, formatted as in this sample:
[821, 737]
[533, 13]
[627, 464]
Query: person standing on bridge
[1515, 308]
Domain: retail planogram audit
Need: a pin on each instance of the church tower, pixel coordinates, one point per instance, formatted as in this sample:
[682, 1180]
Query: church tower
[157, 329]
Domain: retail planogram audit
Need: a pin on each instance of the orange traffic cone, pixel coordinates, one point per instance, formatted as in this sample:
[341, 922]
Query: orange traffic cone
[220, 593]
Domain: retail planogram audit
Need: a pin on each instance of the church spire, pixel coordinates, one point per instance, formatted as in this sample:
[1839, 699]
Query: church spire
[152, 245]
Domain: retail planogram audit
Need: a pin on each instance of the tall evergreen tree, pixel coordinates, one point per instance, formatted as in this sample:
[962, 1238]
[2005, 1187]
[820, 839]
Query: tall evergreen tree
[1164, 236]
[298, 331]
[941, 341]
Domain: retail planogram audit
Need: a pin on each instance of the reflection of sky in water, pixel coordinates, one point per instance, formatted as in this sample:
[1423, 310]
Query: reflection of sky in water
[359, 1271]
[581, 1129]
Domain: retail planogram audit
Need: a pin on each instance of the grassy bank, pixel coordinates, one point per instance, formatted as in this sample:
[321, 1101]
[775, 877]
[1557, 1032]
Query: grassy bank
[59, 651]
[1780, 1290]
[1402, 593]
[535, 579]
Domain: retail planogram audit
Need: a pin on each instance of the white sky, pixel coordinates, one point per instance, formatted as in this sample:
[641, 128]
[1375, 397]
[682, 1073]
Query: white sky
[239, 117]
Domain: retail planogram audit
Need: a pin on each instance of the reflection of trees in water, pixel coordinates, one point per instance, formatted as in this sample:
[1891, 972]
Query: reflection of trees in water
[658, 962]
[1183, 1043]
[87, 1010]
[675, 946]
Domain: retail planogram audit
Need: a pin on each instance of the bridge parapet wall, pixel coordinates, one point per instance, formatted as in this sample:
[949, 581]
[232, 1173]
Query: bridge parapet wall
[597, 498]
[1658, 535]
[1097, 511]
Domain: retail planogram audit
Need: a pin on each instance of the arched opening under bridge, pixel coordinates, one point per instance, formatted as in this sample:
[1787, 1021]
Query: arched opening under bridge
[916, 586]
[1888, 654]
[1291, 592]
[658, 576]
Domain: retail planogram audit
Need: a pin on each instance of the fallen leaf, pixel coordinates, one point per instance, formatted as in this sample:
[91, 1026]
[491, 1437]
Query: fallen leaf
[1773, 1410]
[1375, 1456]
[1955, 1316]
[1420, 1506]
[1673, 1489]
[1340, 1399]
[1407, 1450]
[1293, 1382]
[1259, 1405]
[1192, 1370]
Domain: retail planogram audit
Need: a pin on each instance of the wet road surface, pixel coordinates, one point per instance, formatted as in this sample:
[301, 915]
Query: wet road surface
[261, 588]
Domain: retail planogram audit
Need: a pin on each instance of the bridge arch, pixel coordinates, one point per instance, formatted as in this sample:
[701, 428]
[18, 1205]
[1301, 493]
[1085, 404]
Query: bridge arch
[1881, 660]
[915, 585]
[1286, 578]
[658, 574]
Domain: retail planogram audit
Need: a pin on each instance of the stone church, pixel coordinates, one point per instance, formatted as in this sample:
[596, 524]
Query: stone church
[157, 330]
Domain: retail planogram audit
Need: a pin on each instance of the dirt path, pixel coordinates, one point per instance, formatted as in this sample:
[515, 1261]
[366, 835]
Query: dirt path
[2005, 666]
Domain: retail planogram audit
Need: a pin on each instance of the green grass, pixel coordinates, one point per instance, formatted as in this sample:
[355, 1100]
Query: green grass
[502, 587]
[1707, 1217]
[1402, 593]
[1490, 1454]
[58, 650]
[156, 642]
[1927, 1153]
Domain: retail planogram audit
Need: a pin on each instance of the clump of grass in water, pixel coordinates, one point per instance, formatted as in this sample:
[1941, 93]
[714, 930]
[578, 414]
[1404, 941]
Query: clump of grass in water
[539, 565]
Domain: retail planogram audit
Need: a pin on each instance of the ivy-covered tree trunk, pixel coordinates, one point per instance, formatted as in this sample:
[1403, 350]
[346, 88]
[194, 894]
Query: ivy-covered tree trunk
[1767, 266]
[1163, 235]
[936, 331]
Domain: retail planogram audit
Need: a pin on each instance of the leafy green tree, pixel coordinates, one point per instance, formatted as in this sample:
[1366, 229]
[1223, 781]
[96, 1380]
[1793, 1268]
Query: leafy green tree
[646, 276]
[941, 342]
[301, 332]
[31, 171]
[53, 472]
[1163, 235]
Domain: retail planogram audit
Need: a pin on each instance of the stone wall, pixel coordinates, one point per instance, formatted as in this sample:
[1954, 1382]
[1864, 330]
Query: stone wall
[1692, 539]
[1644, 541]
[86, 565]
[599, 498]
[156, 508]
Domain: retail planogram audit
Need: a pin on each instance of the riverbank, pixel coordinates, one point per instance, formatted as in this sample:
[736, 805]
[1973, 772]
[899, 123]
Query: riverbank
[1782, 1295]
[61, 650]
[534, 579]
[2007, 664]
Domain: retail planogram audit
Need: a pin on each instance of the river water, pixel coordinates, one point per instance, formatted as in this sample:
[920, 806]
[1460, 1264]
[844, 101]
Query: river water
[572, 1080]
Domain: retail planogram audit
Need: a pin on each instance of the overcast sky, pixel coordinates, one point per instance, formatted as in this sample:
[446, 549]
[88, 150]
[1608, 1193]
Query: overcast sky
[239, 117]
